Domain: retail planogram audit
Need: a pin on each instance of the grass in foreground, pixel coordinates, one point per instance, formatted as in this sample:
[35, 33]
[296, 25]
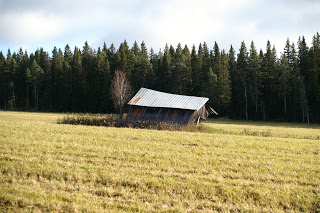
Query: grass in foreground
[50, 167]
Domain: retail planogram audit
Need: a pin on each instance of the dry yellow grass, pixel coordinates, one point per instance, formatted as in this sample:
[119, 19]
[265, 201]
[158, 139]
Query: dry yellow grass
[45, 166]
[267, 129]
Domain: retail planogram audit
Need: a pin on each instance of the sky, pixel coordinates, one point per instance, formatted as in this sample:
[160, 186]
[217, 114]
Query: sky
[32, 24]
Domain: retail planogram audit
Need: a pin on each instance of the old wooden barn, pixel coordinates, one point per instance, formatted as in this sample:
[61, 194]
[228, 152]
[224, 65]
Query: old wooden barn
[155, 106]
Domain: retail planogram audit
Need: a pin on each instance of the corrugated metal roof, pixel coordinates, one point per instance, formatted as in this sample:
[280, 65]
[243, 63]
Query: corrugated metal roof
[152, 98]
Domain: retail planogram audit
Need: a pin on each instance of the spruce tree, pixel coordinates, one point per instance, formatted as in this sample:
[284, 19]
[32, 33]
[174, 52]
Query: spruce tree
[254, 63]
[135, 49]
[312, 78]
[56, 80]
[194, 72]
[197, 74]
[111, 57]
[205, 66]
[212, 88]
[146, 68]
[142, 74]
[158, 70]
[294, 86]
[232, 67]
[217, 70]
[242, 75]
[105, 49]
[36, 80]
[270, 85]
[102, 69]
[11, 65]
[188, 75]
[28, 81]
[124, 59]
[166, 74]
[284, 78]
[67, 76]
[46, 99]
[303, 61]
[3, 82]
[179, 71]
[78, 82]
[20, 81]
[224, 85]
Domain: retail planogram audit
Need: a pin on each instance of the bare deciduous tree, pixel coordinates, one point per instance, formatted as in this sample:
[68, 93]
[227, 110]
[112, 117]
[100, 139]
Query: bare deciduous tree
[120, 90]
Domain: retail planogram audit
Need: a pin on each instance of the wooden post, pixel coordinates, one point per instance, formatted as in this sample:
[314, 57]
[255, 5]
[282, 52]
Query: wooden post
[198, 121]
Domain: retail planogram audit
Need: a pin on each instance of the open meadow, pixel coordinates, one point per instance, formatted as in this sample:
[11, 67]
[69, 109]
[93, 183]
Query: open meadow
[228, 166]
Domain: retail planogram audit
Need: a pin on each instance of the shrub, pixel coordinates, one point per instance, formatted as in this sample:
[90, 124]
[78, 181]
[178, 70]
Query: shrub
[114, 121]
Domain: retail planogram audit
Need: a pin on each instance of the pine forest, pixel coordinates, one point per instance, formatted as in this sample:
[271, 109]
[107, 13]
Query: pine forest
[246, 84]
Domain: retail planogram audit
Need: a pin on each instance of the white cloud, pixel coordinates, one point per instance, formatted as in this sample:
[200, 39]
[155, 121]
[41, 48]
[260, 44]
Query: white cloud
[47, 23]
[30, 27]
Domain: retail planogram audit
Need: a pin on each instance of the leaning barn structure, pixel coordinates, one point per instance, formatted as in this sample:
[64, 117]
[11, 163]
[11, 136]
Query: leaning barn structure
[154, 106]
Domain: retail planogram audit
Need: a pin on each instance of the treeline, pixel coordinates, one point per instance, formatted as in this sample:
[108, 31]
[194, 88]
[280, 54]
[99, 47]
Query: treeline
[251, 84]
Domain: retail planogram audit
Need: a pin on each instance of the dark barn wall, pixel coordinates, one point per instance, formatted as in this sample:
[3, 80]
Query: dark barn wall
[175, 116]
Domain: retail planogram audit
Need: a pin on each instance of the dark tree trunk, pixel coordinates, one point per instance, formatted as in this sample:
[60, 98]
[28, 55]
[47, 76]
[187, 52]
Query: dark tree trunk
[246, 99]
[27, 98]
[285, 105]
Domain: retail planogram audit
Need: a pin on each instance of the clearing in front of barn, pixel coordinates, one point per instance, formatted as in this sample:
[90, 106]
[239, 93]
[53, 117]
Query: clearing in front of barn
[235, 166]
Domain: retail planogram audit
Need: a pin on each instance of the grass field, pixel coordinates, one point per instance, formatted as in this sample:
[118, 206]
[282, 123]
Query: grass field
[234, 166]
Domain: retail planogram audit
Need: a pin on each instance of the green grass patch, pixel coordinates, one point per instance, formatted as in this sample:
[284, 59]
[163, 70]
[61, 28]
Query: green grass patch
[45, 166]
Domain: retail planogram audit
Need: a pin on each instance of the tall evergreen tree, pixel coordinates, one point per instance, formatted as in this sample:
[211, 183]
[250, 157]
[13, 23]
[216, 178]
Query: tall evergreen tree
[254, 64]
[142, 72]
[232, 68]
[146, 67]
[216, 59]
[212, 88]
[103, 102]
[3, 82]
[224, 85]
[294, 86]
[56, 80]
[20, 79]
[67, 76]
[284, 81]
[122, 58]
[242, 75]
[112, 57]
[188, 84]
[11, 66]
[179, 71]
[46, 99]
[270, 85]
[158, 70]
[78, 82]
[204, 68]
[152, 77]
[166, 74]
[36, 80]
[303, 61]
[194, 72]
[312, 78]
[197, 74]
[61, 86]
[105, 49]
[135, 49]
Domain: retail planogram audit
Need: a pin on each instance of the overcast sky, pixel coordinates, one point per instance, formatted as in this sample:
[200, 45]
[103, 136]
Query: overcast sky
[31, 24]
